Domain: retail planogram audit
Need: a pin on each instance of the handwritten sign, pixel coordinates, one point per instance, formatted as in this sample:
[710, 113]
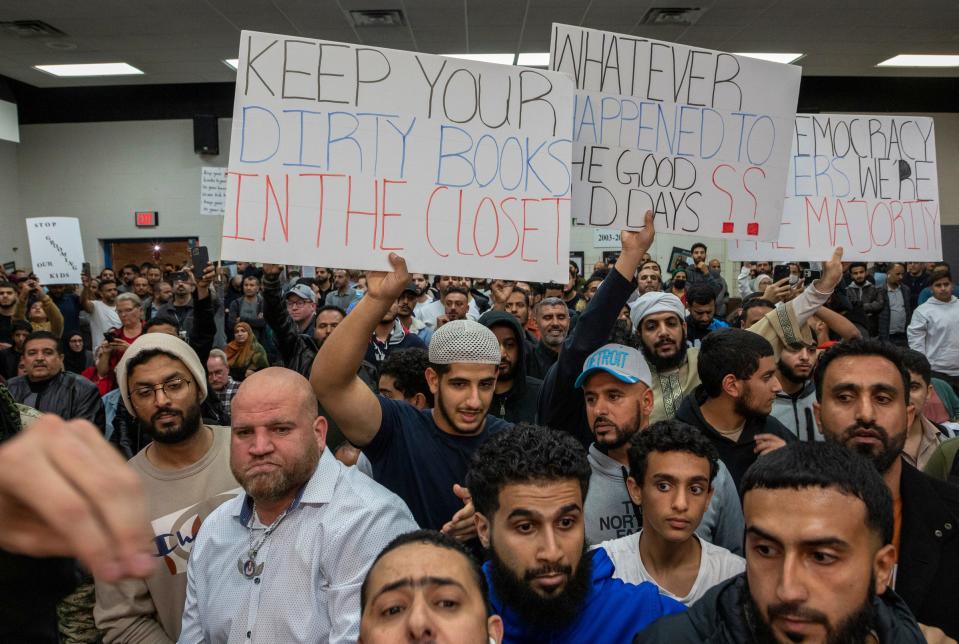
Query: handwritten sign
[56, 249]
[699, 137]
[212, 191]
[866, 183]
[346, 152]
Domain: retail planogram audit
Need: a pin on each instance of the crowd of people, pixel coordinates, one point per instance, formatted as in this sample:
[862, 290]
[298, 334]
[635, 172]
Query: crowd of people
[638, 454]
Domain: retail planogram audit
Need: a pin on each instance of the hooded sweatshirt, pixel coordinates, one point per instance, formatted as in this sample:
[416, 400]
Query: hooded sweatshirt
[934, 332]
[795, 412]
[517, 405]
[719, 618]
[612, 611]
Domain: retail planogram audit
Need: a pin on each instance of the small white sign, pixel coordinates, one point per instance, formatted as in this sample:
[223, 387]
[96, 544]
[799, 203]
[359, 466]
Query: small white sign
[212, 191]
[56, 249]
[606, 238]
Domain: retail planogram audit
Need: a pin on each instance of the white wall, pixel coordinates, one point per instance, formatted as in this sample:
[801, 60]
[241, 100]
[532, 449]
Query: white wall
[13, 233]
[103, 172]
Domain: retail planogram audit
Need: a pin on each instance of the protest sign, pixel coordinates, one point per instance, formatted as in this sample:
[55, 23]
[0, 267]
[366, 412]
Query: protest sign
[56, 249]
[866, 183]
[699, 137]
[341, 153]
[212, 191]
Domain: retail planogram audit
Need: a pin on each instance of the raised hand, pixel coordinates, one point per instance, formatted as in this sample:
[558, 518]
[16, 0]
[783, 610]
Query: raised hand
[831, 273]
[384, 286]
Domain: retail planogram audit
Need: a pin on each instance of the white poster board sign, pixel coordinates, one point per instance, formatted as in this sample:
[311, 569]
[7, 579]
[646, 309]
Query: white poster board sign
[866, 183]
[56, 249]
[212, 191]
[347, 152]
[699, 137]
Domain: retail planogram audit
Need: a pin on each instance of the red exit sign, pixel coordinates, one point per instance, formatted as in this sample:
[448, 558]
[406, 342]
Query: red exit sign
[146, 219]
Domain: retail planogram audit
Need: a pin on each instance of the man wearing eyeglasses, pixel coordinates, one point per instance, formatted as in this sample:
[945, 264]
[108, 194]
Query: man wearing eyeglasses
[185, 473]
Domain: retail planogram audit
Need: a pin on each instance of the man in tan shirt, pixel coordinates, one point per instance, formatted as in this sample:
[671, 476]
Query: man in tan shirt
[185, 473]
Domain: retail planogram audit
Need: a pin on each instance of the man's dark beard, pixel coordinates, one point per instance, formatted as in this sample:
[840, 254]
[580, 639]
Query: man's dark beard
[666, 364]
[543, 614]
[743, 406]
[438, 406]
[852, 630]
[190, 423]
[883, 460]
[789, 374]
[623, 434]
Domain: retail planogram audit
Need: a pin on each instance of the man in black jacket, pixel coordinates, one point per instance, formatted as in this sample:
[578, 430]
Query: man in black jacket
[732, 406]
[896, 308]
[297, 347]
[516, 393]
[862, 389]
[50, 389]
[819, 559]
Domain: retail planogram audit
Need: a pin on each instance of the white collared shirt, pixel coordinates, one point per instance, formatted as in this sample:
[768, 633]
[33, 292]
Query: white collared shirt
[313, 563]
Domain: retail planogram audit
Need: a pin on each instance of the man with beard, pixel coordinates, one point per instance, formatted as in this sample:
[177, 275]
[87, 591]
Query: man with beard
[650, 279]
[865, 301]
[405, 305]
[429, 313]
[731, 406]
[102, 312]
[552, 320]
[389, 336]
[793, 404]
[819, 562]
[421, 455]
[515, 396]
[529, 485]
[615, 382]
[284, 562]
[426, 587]
[185, 474]
[701, 320]
[862, 392]
[659, 321]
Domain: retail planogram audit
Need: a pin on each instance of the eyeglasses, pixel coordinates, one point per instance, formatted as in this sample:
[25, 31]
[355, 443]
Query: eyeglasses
[295, 304]
[172, 388]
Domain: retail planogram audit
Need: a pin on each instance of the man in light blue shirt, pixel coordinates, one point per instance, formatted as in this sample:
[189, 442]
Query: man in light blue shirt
[285, 561]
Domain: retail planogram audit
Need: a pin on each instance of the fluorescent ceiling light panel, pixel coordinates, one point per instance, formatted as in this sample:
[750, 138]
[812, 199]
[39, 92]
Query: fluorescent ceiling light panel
[920, 60]
[90, 69]
[534, 59]
[232, 63]
[773, 58]
[501, 59]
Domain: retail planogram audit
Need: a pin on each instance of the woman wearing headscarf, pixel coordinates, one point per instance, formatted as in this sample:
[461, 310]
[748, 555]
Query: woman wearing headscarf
[75, 357]
[244, 354]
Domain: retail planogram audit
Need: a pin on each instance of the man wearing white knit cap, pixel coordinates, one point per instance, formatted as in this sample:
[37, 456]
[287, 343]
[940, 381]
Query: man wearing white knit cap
[659, 319]
[420, 455]
[186, 475]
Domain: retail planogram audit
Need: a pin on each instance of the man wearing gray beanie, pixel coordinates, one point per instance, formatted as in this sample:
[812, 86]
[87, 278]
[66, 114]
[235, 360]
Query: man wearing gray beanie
[186, 474]
[422, 456]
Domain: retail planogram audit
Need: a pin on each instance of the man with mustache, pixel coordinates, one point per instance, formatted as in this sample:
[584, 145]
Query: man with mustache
[862, 392]
[185, 472]
[659, 320]
[284, 562]
[528, 485]
[48, 388]
[552, 320]
[793, 404]
[819, 562]
[731, 406]
[516, 393]
[420, 455]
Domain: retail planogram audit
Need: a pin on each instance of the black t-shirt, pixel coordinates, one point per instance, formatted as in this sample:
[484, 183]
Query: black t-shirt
[6, 329]
[419, 462]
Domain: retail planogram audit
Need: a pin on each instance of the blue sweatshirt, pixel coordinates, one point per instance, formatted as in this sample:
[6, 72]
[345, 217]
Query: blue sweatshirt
[614, 610]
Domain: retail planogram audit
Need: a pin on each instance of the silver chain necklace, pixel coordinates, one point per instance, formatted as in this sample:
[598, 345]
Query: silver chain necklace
[249, 568]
